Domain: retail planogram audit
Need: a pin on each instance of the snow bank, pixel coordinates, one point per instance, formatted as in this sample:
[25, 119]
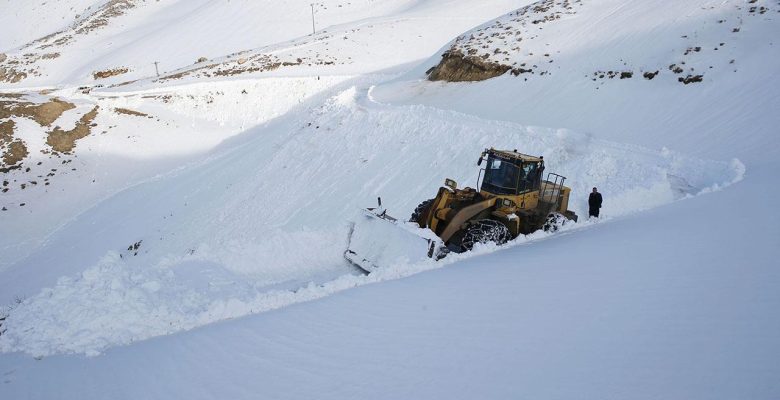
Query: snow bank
[267, 229]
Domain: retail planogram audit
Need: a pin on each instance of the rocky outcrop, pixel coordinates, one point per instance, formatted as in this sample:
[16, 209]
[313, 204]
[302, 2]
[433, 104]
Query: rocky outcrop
[11, 75]
[457, 67]
[109, 73]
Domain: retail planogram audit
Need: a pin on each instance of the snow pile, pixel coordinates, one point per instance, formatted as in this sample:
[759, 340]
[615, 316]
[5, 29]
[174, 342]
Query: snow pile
[234, 235]
[122, 305]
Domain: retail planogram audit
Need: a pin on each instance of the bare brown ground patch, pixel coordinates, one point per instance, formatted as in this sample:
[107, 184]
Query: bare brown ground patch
[44, 114]
[109, 73]
[63, 141]
[13, 151]
[13, 155]
[6, 132]
[11, 95]
[127, 111]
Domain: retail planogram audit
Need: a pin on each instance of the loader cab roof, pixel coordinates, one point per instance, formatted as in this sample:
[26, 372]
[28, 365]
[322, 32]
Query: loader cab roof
[511, 172]
[512, 155]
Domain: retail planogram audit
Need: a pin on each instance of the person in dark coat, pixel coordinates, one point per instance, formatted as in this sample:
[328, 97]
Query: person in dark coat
[594, 203]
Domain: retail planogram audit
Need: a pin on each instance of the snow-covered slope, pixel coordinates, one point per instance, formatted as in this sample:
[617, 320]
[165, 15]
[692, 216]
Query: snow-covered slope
[147, 127]
[670, 295]
[121, 40]
[626, 309]
[242, 206]
[613, 68]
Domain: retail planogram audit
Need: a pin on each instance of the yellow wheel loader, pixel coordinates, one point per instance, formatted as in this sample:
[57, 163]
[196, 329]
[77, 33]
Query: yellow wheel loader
[512, 200]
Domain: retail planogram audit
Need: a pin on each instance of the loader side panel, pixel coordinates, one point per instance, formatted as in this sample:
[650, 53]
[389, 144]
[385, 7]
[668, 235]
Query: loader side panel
[564, 206]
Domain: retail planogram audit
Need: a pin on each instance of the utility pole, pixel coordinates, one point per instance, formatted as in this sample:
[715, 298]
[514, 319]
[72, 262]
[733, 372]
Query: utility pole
[313, 29]
[157, 70]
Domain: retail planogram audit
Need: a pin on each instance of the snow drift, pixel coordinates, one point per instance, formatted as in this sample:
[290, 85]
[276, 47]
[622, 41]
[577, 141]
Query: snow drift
[237, 220]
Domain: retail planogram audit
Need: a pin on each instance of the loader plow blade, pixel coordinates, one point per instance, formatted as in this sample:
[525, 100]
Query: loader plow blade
[377, 240]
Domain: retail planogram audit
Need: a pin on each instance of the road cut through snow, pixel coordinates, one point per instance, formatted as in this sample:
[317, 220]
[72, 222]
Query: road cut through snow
[264, 223]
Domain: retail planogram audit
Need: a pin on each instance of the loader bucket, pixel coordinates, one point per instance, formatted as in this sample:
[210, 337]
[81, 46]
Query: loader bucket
[377, 240]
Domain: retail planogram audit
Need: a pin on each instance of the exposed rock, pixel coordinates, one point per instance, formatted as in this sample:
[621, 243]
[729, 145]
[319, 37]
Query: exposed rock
[690, 50]
[247, 69]
[606, 74]
[11, 75]
[497, 47]
[109, 73]
[111, 9]
[456, 67]
[691, 79]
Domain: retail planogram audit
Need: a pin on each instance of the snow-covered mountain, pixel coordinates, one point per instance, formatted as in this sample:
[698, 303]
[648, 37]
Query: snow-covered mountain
[140, 206]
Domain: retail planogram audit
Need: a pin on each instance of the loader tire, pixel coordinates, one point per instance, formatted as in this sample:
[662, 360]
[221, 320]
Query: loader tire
[421, 209]
[554, 222]
[485, 231]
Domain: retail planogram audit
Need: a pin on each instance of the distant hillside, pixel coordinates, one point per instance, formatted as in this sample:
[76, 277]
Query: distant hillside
[537, 39]
[92, 43]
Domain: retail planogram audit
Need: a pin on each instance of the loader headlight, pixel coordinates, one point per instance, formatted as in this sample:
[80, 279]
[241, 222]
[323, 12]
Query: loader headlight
[450, 184]
[507, 203]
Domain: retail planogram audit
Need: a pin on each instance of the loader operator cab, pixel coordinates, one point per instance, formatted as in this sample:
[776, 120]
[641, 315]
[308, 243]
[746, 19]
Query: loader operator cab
[510, 173]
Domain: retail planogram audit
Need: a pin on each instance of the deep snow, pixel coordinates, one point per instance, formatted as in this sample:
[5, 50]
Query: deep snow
[223, 216]
[671, 295]
[648, 314]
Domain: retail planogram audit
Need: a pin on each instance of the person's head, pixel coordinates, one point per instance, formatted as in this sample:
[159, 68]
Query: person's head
[595, 191]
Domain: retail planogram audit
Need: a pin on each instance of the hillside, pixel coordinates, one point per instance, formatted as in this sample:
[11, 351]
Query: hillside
[580, 74]
[170, 121]
[201, 215]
